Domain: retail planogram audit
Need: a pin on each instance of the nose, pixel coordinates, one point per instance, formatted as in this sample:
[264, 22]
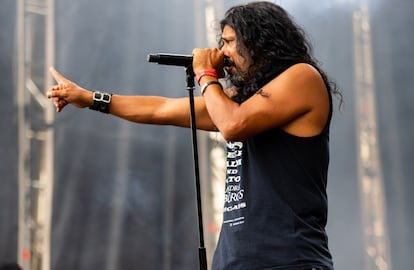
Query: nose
[224, 49]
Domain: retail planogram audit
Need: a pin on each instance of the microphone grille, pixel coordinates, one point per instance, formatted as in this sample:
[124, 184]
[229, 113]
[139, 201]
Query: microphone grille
[153, 58]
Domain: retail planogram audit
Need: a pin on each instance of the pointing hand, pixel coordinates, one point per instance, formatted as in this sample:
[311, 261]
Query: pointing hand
[66, 92]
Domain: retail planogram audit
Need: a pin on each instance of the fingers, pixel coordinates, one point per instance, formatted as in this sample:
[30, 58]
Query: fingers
[208, 58]
[58, 101]
[53, 92]
[58, 92]
[59, 104]
[56, 75]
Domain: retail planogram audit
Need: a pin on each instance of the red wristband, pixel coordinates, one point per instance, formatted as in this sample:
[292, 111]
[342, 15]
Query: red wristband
[206, 72]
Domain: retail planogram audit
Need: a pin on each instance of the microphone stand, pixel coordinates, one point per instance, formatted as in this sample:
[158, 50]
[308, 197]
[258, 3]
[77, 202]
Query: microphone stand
[190, 87]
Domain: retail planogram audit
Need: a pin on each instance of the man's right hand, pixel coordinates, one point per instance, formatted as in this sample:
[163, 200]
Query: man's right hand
[67, 92]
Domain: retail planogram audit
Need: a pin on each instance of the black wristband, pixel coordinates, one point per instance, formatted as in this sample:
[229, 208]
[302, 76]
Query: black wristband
[101, 101]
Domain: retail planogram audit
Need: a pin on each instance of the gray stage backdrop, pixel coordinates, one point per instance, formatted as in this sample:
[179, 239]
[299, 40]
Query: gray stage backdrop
[110, 174]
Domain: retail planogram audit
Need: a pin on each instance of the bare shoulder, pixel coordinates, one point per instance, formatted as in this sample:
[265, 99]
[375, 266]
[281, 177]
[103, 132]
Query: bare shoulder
[299, 83]
[303, 88]
[296, 101]
[302, 73]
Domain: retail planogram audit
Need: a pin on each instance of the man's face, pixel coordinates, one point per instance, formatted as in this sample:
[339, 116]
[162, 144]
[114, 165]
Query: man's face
[239, 65]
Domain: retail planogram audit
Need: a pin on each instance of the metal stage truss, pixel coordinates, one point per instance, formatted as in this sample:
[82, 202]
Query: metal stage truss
[212, 172]
[34, 55]
[371, 186]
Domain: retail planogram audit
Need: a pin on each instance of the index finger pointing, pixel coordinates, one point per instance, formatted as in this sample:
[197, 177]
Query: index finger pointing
[56, 75]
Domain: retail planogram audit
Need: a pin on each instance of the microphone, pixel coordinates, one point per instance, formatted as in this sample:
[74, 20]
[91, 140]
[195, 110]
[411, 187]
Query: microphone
[171, 59]
[177, 59]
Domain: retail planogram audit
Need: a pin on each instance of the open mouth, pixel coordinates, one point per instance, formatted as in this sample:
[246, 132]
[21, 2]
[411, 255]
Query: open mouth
[228, 62]
[231, 69]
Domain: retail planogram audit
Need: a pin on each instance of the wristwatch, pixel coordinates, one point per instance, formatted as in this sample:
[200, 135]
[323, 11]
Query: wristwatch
[101, 101]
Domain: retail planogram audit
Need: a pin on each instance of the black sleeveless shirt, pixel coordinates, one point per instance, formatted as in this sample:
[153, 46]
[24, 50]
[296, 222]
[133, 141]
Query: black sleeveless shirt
[275, 203]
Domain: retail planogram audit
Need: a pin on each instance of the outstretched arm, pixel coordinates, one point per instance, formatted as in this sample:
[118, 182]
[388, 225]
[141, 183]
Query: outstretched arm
[140, 109]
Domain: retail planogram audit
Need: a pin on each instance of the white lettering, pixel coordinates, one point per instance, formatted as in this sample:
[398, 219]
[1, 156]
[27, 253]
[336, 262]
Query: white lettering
[230, 197]
[232, 171]
[235, 207]
[232, 179]
[233, 163]
[231, 188]
[235, 145]
[234, 154]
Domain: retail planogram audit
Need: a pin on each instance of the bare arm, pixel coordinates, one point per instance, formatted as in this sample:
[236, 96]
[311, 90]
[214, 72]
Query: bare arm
[296, 101]
[161, 111]
[140, 109]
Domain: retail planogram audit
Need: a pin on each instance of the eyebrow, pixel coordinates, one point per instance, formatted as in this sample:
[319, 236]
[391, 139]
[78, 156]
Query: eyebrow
[228, 38]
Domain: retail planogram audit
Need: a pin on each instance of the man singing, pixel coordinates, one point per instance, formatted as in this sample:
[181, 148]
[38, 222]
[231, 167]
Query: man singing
[275, 118]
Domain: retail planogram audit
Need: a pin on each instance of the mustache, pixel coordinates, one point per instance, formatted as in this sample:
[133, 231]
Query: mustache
[228, 62]
[236, 78]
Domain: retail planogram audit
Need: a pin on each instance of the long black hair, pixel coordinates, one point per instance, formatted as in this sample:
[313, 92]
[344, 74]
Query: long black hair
[273, 40]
